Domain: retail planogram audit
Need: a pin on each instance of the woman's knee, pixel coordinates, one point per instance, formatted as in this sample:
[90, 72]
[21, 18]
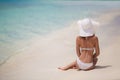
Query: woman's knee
[95, 60]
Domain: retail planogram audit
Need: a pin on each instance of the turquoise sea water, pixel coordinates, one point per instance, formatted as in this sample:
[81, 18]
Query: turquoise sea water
[22, 21]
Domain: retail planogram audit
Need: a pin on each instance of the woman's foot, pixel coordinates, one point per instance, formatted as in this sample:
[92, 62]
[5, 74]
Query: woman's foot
[69, 66]
[65, 68]
[62, 68]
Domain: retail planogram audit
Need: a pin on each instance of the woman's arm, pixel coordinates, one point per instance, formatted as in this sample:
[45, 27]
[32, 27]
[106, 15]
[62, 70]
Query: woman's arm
[78, 46]
[97, 50]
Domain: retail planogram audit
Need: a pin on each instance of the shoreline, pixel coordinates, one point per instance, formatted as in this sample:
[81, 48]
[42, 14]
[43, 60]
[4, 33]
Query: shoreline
[48, 52]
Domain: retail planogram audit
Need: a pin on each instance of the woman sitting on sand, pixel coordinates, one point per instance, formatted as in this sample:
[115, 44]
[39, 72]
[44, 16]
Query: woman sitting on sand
[87, 46]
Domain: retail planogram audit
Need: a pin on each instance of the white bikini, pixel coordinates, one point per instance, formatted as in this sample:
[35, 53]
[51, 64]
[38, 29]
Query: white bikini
[83, 65]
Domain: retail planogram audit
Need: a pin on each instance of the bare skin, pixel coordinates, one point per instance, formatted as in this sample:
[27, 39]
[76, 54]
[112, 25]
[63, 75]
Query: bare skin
[85, 56]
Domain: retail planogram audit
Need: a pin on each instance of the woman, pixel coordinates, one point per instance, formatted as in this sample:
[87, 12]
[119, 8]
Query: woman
[87, 46]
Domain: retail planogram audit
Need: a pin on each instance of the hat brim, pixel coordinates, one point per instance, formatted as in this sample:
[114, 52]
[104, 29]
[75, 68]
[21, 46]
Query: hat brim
[83, 33]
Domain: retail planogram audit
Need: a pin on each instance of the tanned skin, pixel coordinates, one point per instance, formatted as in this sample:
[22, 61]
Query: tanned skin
[85, 56]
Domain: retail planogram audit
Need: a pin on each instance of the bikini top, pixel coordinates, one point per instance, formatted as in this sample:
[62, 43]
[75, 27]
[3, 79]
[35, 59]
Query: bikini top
[87, 48]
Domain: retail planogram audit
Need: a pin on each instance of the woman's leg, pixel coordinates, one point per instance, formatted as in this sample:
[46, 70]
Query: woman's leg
[72, 65]
[95, 61]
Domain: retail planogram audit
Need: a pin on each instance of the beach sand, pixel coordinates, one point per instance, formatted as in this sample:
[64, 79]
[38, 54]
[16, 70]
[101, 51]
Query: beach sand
[46, 53]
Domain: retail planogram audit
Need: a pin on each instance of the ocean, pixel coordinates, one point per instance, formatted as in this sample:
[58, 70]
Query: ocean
[20, 21]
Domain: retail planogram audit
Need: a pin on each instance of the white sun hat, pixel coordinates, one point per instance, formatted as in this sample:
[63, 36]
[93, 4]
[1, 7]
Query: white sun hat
[87, 27]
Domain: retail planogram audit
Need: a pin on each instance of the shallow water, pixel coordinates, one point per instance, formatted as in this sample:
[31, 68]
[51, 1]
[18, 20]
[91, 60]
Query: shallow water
[23, 20]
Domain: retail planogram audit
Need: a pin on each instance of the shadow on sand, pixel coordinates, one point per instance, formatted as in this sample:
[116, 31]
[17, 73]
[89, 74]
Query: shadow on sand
[102, 67]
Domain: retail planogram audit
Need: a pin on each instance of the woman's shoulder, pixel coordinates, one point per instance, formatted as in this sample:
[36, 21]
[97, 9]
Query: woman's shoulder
[78, 37]
[95, 38]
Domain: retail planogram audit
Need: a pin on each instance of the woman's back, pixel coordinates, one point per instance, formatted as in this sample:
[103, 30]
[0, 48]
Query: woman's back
[87, 48]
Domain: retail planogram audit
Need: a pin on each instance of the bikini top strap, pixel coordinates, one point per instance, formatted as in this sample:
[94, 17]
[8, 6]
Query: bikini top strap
[87, 48]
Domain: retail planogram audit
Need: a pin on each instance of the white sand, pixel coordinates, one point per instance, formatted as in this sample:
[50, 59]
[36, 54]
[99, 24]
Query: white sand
[46, 53]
